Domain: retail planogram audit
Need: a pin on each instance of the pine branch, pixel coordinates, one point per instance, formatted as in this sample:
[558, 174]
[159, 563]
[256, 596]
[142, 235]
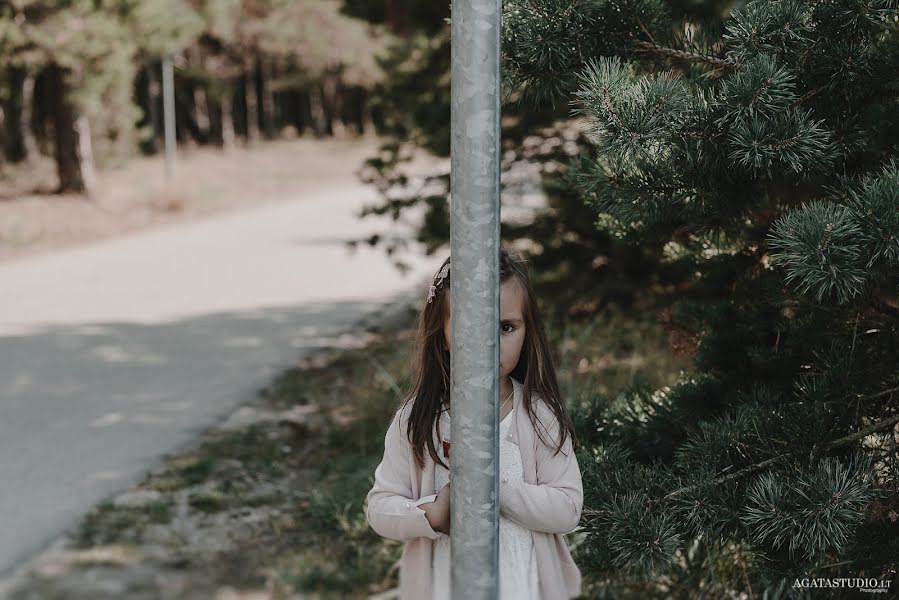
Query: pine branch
[881, 394]
[880, 426]
[718, 63]
[809, 95]
[885, 424]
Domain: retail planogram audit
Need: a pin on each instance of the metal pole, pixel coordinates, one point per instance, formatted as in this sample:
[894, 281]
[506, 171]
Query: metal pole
[474, 247]
[168, 109]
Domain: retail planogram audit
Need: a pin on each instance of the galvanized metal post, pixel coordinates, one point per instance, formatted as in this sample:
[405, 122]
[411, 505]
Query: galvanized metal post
[474, 354]
[168, 109]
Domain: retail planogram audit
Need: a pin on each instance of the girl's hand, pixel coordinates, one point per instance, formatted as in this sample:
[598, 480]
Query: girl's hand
[438, 511]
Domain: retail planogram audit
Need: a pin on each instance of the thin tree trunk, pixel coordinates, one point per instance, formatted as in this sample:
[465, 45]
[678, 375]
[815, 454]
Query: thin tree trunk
[42, 112]
[227, 120]
[20, 144]
[86, 154]
[214, 110]
[288, 109]
[268, 98]
[352, 108]
[252, 102]
[201, 108]
[331, 108]
[340, 123]
[154, 90]
[301, 110]
[31, 149]
[368, 123]
[68, 161]
[316, 107]
[186, 121]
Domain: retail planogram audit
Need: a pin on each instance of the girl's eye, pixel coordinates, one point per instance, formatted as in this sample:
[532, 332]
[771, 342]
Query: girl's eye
[506, 325]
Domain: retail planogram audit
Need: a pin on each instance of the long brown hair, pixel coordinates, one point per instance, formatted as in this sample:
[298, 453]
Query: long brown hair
[429, 390]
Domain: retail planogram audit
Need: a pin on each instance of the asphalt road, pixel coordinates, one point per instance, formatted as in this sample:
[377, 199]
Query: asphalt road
[114, 354]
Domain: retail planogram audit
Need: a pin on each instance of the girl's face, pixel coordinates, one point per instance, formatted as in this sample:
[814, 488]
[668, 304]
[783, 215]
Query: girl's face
[511, 325]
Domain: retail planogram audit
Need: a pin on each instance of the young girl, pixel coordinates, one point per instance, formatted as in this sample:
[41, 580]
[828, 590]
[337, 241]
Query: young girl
[540, 490]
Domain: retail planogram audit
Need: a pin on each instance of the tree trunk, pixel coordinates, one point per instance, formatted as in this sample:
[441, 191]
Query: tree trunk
[268, 98]
[331, 105]
[349, 109]
[19, 142]
[154, 90]
[352, 108]
[86, 154]
[68, 160]
[252, 104]
[301, 115]
[367, 122]
[214, 110]
[316, 107]
[42, 112]
[186, 123]
[201, 114]
[227, 120]
[31, 149]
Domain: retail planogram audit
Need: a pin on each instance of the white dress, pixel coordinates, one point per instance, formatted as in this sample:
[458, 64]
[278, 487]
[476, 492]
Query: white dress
[517, 559]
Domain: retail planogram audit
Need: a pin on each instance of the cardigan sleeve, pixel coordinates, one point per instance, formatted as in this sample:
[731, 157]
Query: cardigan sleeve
[554, 503]
[389, 506]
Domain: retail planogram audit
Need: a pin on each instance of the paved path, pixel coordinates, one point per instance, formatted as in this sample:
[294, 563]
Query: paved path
[114, 354]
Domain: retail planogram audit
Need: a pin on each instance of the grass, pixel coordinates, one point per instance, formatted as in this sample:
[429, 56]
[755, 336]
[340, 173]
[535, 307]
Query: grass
[107, 523]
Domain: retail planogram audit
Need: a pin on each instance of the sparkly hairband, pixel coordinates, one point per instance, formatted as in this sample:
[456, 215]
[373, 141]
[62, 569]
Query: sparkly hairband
[440, 277]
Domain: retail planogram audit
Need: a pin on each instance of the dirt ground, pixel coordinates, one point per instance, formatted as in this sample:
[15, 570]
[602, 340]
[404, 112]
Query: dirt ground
[137, 196]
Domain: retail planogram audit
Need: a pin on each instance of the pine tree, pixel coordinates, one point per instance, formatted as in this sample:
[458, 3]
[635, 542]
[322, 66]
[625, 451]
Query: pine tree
[755, 149]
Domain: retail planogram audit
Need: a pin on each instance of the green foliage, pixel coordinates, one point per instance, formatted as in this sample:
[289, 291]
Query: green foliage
[819, 246]
[318, 37]
[98, 46]
[546, 43]
[781, 28]
[102, 46]
[108, 523]
[640, 541]
[749, 150]
[811, 511]
[161, 27]
[834, 248]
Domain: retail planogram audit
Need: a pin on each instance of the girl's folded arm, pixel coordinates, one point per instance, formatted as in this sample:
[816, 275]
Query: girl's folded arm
[389, 507]
[554, 503]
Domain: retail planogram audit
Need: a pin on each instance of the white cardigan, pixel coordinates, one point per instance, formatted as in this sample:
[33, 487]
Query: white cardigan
[548, 502]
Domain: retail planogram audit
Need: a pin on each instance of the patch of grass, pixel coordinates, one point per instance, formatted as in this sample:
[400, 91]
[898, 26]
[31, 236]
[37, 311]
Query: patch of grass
[180, 472]
[196, 469]
[209, 501]
[345, 557]
[108, 523]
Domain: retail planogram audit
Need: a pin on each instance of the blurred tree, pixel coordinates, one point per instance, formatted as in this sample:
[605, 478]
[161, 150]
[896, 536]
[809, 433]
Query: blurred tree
[755, 151]
[76, 74]
[18, 140]
[86, 51]
[313, 46]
